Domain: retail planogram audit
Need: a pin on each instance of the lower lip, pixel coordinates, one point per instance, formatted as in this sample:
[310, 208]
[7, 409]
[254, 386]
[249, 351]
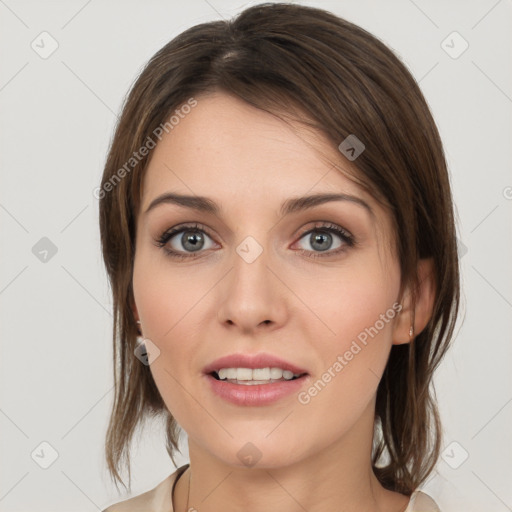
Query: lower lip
[257, 394]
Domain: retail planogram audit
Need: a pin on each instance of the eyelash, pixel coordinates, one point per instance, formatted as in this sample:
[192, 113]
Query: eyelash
[348, 240]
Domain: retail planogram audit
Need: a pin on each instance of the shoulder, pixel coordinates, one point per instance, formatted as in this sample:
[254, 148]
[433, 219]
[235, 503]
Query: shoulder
[158, 499]
[421, 502]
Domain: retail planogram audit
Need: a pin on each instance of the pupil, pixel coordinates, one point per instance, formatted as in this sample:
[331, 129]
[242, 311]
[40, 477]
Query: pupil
[193, 238]
[319, 238]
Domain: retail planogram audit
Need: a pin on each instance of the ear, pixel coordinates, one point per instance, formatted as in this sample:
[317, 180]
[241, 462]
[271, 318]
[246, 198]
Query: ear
[419, 315]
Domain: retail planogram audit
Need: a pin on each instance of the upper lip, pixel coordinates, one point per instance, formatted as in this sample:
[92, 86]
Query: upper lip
[252, 361]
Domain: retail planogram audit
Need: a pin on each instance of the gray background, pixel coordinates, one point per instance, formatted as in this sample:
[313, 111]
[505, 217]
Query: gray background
[57, 117]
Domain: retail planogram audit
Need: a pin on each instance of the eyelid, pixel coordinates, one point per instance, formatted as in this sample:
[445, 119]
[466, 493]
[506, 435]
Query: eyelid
[170, 233]
[348, 240]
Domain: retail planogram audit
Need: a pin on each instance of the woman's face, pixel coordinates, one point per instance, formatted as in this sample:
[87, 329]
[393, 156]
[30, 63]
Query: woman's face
[252, 279]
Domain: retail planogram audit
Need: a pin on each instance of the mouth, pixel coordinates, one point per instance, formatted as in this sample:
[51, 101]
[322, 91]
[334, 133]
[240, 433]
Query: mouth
[229, 377]
[245, 387]
[260, 379]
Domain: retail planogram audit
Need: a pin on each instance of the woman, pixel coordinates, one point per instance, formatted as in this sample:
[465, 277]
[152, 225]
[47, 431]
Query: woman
[277, 225]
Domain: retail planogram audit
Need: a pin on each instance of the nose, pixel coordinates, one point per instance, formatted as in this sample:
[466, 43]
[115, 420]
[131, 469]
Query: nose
[252, 295]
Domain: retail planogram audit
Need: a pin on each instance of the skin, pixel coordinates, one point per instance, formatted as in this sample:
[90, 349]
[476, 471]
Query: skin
[306, 310]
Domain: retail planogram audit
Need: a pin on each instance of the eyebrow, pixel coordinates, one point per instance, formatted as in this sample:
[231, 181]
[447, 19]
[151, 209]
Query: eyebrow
[292, 205]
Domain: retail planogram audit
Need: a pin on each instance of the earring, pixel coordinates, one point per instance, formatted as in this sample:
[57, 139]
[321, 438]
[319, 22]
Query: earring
[411, 331]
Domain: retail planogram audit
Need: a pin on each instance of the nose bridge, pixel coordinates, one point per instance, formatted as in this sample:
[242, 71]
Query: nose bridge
[250, 294]
[250, 273]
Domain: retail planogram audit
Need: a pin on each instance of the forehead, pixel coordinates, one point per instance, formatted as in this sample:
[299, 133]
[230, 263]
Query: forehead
[227, 149]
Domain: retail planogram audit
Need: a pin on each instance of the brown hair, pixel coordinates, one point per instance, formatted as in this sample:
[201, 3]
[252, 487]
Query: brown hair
[342, 80]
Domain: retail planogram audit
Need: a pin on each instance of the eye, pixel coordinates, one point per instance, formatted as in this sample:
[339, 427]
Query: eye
[184, 241]
[320, 240]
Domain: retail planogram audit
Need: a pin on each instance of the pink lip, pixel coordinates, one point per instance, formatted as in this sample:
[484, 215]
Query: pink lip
[258, 394]
[252, 361]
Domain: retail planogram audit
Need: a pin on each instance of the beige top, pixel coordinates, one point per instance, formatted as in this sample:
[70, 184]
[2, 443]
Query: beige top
[159, 499]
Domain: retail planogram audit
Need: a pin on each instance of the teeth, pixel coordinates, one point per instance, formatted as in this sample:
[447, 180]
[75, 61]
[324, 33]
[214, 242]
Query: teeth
[256, 374]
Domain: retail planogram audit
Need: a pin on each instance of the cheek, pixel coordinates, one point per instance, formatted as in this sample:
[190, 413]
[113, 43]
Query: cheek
[163, 296]
[171, 305]
[357, 309]
[160, 307]
[355, 299]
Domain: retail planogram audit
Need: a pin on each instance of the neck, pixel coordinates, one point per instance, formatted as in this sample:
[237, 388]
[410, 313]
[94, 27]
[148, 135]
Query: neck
[338, 475]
